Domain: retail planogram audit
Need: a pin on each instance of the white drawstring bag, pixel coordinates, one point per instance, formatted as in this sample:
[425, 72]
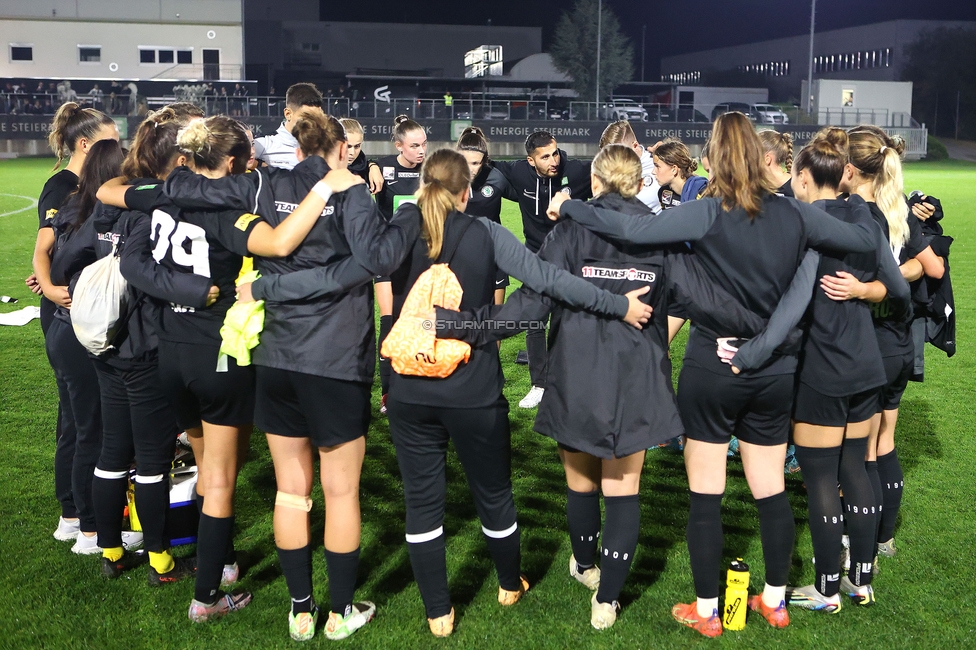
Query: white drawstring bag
[99, 303]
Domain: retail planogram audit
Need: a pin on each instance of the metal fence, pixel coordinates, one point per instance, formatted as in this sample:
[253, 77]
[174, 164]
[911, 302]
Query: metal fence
[590, 111]
[916, 141]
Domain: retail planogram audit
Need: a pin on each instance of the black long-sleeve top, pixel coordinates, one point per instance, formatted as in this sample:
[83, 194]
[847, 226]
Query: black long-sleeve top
[533, 192]
[840, 353]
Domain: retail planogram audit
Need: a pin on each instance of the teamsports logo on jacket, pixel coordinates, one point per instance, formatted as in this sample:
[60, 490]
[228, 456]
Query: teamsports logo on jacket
[618, 274]
[287, 208]
[487, 191]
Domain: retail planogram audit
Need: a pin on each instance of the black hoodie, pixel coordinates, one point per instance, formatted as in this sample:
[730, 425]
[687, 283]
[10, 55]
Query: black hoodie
[534, 192]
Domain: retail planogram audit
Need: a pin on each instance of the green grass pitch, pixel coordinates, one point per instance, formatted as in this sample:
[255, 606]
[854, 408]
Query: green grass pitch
[51, 598]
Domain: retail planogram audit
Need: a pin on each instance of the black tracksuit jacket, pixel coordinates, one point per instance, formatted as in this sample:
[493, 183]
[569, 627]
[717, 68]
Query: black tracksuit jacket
[533, 192]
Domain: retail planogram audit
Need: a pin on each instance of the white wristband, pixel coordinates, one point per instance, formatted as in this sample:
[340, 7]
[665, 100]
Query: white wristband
[322, 190]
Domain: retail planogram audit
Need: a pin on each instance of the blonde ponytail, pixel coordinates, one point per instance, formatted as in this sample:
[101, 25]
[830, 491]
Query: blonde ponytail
[877, 156]
[889, 187]
[443, 176]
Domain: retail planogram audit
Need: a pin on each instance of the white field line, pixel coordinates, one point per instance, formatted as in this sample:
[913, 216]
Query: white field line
[33, 204]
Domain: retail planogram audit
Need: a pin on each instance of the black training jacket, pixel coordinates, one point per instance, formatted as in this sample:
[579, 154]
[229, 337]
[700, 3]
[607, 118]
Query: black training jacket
[211, 243]
[893, 331]
[753, 259]
[136, 340]
[534, 192]
[609, 390]
[324, 335]
[840, 354]
[468, 250]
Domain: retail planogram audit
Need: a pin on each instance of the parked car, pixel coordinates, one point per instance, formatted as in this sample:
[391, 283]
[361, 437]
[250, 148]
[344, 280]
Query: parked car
[624, 109]
[729, 107]
[768, 114]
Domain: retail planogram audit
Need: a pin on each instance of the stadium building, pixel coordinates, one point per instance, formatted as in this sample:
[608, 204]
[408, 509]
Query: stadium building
[141, 40]
[868, 52]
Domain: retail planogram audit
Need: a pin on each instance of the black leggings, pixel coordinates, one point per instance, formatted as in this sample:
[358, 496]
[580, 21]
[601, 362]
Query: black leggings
[483, 442]
[139, 423]
[81, 423]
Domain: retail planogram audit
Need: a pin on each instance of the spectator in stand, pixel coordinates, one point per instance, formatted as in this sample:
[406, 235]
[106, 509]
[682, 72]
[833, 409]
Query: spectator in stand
[114, 90]
[96, 97]
[66, 93]
[235, 104]
[133, 98]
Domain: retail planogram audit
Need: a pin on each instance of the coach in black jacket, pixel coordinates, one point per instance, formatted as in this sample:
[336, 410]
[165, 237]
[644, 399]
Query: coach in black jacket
[545, 171]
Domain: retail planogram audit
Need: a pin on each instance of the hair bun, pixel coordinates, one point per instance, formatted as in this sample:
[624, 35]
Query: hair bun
[472, 129]
[162, 116]
[400, 119]
[897, 143]
[194, 137]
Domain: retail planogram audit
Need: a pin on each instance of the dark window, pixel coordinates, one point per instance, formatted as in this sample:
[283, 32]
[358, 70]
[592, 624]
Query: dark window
[147, 56]
[89, 54]
[21, 53]
[184, 56]
[166, 56]
[211, 65]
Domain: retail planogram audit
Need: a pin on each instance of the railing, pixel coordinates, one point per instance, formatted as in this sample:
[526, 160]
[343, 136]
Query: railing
[460, 109]
[650, 112]
[852, 116]
[46, 103]
[476, 110]
[202, 71]
[916, 140]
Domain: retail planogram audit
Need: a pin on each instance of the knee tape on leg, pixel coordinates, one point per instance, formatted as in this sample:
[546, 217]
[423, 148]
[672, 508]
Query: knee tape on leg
[293, 501]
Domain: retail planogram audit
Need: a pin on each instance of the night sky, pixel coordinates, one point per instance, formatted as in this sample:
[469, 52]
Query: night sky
[670, 30]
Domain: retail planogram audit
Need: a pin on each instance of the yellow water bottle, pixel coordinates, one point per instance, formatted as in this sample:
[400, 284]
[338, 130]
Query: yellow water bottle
[736, 596]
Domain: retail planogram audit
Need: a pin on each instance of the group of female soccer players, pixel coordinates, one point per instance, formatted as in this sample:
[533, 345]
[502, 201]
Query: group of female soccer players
[785, 343]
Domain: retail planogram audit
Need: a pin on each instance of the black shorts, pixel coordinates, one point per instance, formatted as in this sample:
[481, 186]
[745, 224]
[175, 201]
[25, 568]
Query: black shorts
[380, 279]
[327, 411]
[196, 390]
[813, 407]
[898, 370]
[714, 407]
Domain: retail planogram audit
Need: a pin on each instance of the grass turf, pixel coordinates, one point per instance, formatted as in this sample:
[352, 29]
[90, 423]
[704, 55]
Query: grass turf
[51, 598]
